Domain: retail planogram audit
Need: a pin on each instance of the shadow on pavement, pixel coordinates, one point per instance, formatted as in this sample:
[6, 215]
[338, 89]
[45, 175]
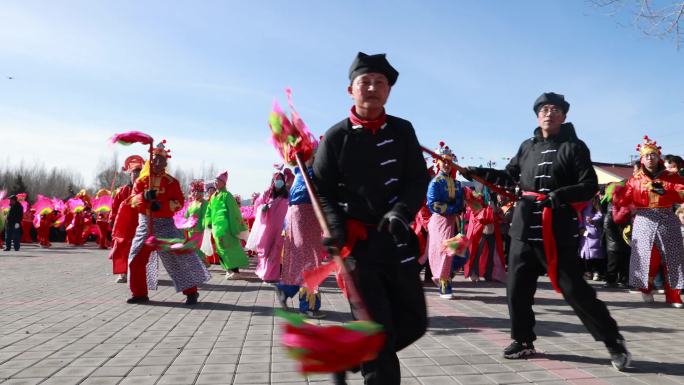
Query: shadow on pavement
[644, 367]
[454, 325]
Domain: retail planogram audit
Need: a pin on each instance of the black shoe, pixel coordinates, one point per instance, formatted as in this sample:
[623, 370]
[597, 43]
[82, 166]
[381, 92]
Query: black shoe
[6, 249]
[610, 285]
[620, 358]
[340, 378]
[139, 299]
[192, 299]
[519, 350]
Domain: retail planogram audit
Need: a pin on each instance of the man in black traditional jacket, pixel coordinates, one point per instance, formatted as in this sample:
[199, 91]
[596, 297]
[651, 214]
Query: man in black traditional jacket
[370, 175]
[553, 170]
[13, 224]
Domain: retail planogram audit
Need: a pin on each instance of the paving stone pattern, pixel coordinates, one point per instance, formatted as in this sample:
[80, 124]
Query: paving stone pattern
[64, 321]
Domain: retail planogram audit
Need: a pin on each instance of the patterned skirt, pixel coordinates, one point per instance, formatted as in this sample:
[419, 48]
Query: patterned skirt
[186, 270]
[440, 228]
[656, 228]
[302, 249]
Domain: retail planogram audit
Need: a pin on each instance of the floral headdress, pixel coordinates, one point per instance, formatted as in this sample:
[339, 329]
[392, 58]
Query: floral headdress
[197, 185]
[648, 147]
[160, 149]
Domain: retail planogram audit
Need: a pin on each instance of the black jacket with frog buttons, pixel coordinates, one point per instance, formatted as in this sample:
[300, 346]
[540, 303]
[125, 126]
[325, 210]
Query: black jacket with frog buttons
[360, 175]
[559, 165]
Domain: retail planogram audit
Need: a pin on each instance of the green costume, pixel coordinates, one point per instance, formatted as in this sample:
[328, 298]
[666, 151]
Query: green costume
[198, 209]
[225, 219]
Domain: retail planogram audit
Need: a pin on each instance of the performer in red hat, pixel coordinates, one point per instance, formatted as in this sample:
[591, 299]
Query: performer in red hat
[158, 196]
[124, 219]
[656, 241]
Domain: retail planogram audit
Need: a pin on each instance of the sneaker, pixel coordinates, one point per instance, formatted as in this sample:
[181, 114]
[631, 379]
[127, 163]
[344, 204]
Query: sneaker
[315, 314]
[447, 296]
[647, 297]
[677, 305]
[596, 277]
[139, 299]
[519, 350]
[230, 275]
[192, 299]
[122, 278]
[660, 291]
[620, 358]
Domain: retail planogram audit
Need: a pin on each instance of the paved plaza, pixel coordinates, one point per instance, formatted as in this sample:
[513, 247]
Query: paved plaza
[64, 321]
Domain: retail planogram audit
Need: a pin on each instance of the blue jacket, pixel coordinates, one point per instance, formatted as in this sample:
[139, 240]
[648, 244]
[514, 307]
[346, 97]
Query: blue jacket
[445, 195]
[298, 191]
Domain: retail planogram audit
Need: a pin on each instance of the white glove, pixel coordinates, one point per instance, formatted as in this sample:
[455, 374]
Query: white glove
[16, 225]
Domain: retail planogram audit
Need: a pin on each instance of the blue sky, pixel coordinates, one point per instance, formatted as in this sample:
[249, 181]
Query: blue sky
[203, 76]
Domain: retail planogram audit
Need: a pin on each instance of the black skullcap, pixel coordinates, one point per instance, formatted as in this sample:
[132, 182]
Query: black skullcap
[364, 64]
[557, 100]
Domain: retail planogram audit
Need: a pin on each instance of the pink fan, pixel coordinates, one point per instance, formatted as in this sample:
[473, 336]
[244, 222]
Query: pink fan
[247, 212]
[58, 204]
[102, 204]
[181, 222]
[128, 138]
[75, 205]
[43, 205]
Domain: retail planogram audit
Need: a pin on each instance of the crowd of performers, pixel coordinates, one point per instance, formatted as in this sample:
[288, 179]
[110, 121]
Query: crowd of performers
[396, 214]
[74, 221]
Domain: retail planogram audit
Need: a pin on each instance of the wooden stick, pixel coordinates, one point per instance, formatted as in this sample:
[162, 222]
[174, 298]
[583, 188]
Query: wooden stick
[462, 170]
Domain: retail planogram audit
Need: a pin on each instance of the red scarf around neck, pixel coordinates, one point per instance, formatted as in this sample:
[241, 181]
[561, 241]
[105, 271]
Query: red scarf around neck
[372, 125]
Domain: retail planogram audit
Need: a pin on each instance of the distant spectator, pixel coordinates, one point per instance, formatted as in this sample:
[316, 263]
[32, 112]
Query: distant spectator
[674, 163]
[13, 224]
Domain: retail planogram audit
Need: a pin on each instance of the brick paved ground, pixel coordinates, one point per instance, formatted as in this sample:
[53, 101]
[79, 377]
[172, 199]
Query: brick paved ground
[64, 321]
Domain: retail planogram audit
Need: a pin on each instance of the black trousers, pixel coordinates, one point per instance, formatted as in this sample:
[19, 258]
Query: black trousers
[528, 261]
[12, 235]
[617, 266]
[388, 280]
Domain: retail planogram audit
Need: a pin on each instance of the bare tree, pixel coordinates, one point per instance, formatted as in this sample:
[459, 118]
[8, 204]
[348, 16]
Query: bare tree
[654, 18]
[109, 174]
[37, 179]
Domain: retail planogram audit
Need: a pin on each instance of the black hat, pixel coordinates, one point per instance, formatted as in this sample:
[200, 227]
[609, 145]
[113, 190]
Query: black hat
[364, 64]
[13, 197]
[551, 98]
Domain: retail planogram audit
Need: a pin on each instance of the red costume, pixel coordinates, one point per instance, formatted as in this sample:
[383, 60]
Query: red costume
[125, 220]
[44, 230]
[75, 229]
[26, 226]
[655, 229]
[170, 198]
[103, 230]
